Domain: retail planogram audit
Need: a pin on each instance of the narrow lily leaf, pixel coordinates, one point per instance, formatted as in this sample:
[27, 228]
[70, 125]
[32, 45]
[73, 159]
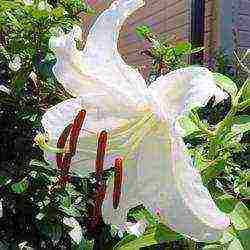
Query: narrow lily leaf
[183, 48]
[154, 235]
[240, 217]
[212, 171]
[243, 189]
[143, 31]
[244, 237]
[213, 247]
[141, 213]
[196, 50]
[70, 211]
[246, 90]
[4, 180]
[226, 203]
[235, 245]
[243, 105]
[196, 120]
[85, 244]
[187, 125]
[20, 186]
[200, 161]
[226, 83]
[132, 242]
[163, 234]
[242, 123]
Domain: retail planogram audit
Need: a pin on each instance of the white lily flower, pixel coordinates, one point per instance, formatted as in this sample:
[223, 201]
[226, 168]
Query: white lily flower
[43, 5]
[141, 126]
[28, 2]
[4, 89]
[16, 63]
[76, 232]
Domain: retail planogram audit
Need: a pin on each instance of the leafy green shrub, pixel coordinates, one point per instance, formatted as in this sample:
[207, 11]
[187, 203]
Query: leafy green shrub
[32, 215]
[166, 56]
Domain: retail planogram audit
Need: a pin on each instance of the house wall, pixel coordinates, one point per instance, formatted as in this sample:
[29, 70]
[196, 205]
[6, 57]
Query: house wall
[242, 21]
[211, 36]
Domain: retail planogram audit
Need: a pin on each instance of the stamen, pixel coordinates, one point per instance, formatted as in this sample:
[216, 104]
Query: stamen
[117, 182]
[78, 121]
[102, 143]
[74, 134]
[61, 144]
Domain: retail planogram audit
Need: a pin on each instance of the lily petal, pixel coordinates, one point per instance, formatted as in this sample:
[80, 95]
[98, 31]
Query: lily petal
[172, 188]
[181, 90]
[176, 93]
[101, 56]
[88, 71]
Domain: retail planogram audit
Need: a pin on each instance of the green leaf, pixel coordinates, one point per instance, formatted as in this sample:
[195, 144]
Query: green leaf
[20, 186]
[58, 12]
[225, 83]
[70, 211]
[183, 48]
[226, 203]
[51, 231]
[236, 245]
[246, 90]
[85, 244]
[200, 160]
[241, 124]
[196, 120]
[240, 217]
[163, 234]
[131, 242]
[212, 171]
[143, 31]
[243, 189]
[243, 105]
[4, 180]
[244, 237]
[196, 50]
[153, 235]
[140, 212]
[213, 247]
[187, 125]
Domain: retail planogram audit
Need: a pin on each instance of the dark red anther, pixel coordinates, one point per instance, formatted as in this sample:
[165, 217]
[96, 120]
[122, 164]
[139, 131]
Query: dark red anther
[77, 125]
[117, 182]
[61, 144]
[102, 143]
[74, 134]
